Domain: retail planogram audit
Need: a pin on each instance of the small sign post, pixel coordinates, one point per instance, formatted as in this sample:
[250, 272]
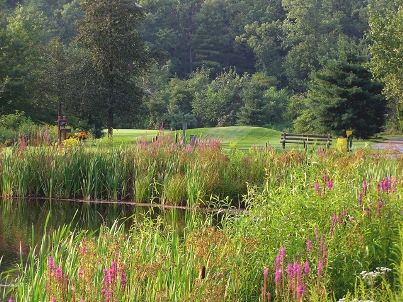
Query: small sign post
[61, 128]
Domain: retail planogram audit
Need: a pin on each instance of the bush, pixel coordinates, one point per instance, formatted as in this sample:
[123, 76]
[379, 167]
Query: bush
[15, 121]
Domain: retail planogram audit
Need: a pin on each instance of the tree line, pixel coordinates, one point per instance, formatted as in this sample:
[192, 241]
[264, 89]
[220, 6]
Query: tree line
[320, 66]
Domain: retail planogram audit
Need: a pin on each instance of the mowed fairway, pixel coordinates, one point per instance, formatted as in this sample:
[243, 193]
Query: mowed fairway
[240, 137]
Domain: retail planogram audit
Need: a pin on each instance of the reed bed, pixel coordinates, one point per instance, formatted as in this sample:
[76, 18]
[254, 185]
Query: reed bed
[316, 226]
[159, 172]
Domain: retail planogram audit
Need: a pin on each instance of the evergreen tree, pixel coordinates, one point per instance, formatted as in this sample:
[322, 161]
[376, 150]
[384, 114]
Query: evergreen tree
[342, 96]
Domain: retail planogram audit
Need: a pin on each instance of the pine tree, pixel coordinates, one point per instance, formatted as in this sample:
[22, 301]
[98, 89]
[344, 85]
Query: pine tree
[342, 96]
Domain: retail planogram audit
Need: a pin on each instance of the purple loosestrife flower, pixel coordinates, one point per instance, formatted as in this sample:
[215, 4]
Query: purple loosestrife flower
[300, 291]
[50, 263]
[268, 295]
[290, 270]
[277, 276]
[306, 267]
[360, 197]
[320, 267]
[308, 246]
[317, 188]
[265, 272]
[334, 219]
[280, 257]
[330, 185]
[364, 186]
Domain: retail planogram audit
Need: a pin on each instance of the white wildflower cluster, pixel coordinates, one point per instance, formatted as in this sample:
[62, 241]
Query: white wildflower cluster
[377, 272]
[369, 277]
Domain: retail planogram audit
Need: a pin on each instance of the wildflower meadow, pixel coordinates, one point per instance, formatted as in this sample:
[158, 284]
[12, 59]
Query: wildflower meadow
[315, 225]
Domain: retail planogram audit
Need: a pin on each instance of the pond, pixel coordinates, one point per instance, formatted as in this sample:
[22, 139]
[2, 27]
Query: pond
[22, 221]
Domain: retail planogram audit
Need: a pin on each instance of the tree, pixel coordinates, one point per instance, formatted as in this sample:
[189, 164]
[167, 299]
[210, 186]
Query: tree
[21, 62]
[109, 31]
[266, 45]
[219, 104]
[215, 46]
[342, 96]
[312, 29]
[386, 25]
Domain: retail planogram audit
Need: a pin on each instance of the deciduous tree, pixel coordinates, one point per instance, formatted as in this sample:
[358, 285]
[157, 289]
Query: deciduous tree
[109, 31]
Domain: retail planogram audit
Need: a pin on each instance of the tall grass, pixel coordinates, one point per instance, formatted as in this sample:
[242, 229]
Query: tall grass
[317, 226]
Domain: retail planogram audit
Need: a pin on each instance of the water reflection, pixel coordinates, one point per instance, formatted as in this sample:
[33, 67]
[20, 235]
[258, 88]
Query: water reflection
[22, 221]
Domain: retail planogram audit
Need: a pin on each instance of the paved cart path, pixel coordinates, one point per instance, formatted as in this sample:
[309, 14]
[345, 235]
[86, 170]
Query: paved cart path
[393, 144]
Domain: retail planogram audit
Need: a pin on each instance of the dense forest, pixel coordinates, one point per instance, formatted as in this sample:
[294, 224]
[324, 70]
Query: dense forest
[319, 66]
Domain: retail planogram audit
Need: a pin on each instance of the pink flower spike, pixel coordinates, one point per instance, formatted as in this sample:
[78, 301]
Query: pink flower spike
[265, 272]
[306, 267]
[320, 267]
[300, 291]
[308, 245]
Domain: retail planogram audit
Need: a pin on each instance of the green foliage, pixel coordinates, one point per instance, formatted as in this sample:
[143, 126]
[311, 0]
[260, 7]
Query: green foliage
[310, 231]
[14, 121]
[265, 41]
[386, 25]
[343, 96]
[264, 104]
[101, 75]
[219, 104]
[12, 125]
[24, 36]
[109, 31]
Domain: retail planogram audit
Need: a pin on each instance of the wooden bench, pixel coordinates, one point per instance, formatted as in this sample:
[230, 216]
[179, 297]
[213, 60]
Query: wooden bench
[305, 139]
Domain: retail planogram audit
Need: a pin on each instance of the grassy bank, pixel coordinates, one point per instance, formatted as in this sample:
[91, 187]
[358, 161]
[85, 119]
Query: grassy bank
[322, 226]
[240, 137]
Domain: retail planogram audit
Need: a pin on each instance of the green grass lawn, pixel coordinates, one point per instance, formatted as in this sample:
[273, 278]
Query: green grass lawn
[240, 137]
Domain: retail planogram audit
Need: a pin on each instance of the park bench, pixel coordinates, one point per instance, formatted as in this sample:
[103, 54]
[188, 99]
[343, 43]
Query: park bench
[305, 139]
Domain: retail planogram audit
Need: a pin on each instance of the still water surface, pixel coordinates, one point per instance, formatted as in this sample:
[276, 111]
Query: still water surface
[22, 221]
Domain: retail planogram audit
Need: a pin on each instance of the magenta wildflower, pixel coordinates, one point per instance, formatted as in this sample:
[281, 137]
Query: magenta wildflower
[280, 257]
[329, 185]
[308, 245]
[360, 197]
[300, 291]
[306, 267]
[265, 272]
[277, 276]
[268, 295]
[317, 188]
[320, 267]
[290, 270]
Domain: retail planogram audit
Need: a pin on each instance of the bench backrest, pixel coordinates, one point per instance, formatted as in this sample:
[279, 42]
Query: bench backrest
[305, 139]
